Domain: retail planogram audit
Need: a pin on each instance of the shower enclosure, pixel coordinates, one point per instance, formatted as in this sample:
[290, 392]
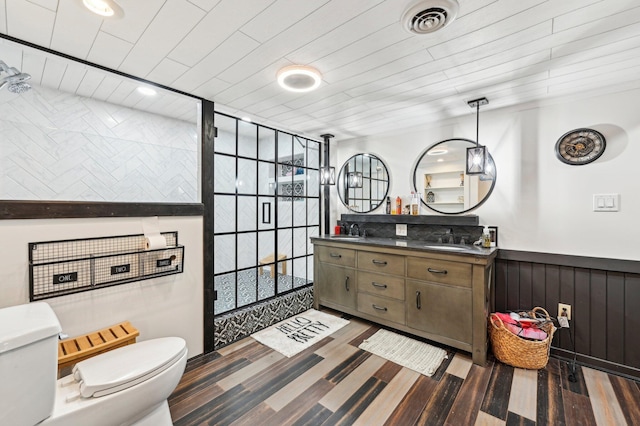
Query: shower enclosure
[266, 206]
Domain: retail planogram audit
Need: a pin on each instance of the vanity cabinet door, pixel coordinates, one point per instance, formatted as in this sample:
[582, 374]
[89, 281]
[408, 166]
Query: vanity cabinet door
[440, 309]
[336, 284]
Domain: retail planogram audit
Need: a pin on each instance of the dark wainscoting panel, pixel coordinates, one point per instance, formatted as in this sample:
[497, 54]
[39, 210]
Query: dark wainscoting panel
[604, 295]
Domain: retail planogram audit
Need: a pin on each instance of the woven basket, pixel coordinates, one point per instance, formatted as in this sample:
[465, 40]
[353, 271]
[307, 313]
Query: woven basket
[516, 351]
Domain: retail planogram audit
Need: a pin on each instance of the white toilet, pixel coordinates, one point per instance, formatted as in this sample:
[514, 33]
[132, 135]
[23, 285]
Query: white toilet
[126, 386]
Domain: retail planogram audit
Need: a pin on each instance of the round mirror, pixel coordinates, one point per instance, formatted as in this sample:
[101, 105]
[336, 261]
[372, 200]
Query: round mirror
[439, 175]
[363, 183]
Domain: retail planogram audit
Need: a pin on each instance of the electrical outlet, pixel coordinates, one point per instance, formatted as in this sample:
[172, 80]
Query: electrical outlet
[401, 230]
[563, 309]
[563, 321]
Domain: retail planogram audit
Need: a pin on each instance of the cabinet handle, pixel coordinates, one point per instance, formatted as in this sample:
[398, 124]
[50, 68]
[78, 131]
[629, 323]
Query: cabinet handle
[379, 262]
[375, 284]
[346, 283]
[379, 308]
[418, 304]
[335, 255]
[437, 271]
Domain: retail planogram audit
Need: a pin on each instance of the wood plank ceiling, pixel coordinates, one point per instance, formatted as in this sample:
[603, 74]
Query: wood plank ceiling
[377, 78]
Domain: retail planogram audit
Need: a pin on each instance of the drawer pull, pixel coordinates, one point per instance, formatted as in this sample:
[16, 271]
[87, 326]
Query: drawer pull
[335, 255]
[379, 308]
[418, 304]
[379, 262]
[346, 283]
[375, 284]
[437, 271]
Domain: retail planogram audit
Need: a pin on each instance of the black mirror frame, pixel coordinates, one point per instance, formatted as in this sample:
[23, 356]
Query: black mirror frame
[486, 197]
[342, 180]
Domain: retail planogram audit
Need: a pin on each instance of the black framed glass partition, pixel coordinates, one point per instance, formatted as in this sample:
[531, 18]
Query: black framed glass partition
[266, 206]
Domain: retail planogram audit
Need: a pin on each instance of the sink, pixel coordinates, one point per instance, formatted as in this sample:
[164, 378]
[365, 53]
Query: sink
[446, 248]
[345, 237]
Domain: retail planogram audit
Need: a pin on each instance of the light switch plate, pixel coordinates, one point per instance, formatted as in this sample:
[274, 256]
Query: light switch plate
[606, 202]
[401, 229]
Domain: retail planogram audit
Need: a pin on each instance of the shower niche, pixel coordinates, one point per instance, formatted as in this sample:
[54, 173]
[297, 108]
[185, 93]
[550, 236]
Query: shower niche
[291, 178]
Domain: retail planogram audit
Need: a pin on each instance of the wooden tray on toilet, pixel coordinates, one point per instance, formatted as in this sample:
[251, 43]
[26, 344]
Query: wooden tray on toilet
[76, 349]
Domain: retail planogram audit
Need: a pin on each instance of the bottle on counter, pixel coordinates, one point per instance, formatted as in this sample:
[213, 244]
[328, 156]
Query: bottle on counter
[486, 238]
[388, 205]
[398, 205]
[415, 204]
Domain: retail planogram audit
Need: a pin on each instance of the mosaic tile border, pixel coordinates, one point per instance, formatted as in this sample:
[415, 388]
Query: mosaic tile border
[239, 324]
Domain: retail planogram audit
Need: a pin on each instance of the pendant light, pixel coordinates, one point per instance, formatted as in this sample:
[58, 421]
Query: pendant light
[327, 176]
[327, 172]
[477, 155]
[355, 180]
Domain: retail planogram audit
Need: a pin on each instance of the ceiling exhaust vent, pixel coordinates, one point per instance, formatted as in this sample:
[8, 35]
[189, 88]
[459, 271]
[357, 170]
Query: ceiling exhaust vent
[425, 17]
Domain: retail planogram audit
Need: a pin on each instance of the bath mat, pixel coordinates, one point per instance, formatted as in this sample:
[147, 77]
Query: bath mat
[299, 332]
[415, 355]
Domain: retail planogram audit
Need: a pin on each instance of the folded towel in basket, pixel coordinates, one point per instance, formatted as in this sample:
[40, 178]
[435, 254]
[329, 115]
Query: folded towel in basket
[525, 329]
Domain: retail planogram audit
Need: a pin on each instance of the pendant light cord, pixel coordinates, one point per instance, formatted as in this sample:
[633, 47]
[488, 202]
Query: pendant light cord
[478, 124]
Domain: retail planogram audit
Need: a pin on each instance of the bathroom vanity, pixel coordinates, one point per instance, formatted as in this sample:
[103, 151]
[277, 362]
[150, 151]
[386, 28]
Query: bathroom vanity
[437, 291]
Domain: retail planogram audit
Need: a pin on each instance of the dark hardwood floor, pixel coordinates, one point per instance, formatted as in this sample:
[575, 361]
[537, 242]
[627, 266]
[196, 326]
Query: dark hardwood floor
[335, 383]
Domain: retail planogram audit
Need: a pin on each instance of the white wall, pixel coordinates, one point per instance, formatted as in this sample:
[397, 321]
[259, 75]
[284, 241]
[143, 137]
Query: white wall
[59, 146]
[165, 306]
[539, 203]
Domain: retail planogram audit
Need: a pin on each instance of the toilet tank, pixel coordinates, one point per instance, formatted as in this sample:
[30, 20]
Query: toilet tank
[28, 363]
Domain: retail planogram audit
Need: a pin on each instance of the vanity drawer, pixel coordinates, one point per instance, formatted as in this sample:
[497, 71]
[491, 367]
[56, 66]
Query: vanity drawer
[380, 307]
[439, 271]
[381, 262]
[381, 285]
[336, 256]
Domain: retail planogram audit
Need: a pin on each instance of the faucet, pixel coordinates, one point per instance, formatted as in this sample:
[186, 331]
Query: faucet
[357, 233]
[451, 237]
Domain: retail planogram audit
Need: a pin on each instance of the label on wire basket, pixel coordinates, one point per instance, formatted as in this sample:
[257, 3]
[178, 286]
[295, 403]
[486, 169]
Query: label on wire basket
[65, 278]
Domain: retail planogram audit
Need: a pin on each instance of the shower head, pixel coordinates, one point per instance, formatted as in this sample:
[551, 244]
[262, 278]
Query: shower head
[18, 87]
[15, 80]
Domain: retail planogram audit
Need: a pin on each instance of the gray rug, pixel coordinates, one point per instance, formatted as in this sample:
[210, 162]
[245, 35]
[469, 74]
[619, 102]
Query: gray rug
[415, 355]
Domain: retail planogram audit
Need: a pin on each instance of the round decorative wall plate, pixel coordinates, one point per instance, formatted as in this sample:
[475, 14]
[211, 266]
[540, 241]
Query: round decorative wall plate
[580, 146]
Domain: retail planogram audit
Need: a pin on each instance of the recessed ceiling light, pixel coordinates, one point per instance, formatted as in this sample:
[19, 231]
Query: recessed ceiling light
[247, 119]
[106, 8]
[147, 91]
[437, 152]
[299, 78]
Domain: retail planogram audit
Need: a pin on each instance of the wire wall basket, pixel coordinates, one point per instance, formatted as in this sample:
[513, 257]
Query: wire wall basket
[58, 268]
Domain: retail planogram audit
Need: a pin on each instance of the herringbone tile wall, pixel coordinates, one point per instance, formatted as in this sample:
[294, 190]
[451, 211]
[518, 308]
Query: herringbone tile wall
[58, 146]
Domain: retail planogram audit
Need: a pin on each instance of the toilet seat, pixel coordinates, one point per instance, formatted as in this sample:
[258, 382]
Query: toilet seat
[127, 366]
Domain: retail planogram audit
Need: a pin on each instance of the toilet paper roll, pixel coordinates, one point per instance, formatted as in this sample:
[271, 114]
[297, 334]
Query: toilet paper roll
[155, 242]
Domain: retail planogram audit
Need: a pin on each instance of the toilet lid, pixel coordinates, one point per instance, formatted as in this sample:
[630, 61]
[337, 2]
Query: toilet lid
[127, 366]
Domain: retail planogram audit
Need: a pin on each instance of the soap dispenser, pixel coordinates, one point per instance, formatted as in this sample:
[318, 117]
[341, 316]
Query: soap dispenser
[486, 238]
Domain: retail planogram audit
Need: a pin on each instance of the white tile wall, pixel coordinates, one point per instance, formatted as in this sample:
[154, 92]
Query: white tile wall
[57, 146]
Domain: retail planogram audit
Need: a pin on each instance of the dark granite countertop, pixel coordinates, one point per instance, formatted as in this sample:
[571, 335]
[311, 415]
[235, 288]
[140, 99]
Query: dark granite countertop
[455, 249]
